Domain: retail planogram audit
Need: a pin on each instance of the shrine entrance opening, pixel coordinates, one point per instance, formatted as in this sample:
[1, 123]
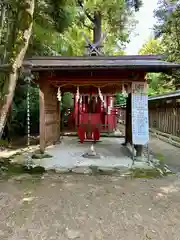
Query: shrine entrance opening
[67, 123]
[87, 113]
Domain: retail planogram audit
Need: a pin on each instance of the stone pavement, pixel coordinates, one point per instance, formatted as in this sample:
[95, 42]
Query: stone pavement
[68, 154]
[114, 157]
[169, 154]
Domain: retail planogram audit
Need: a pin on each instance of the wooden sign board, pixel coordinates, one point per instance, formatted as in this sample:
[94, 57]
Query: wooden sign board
[140, 119]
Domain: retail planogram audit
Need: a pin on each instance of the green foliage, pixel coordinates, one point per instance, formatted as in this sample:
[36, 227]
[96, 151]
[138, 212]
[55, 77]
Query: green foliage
[44, 28]
[117, 21]
[158, 83]
[120, 99]
[57, 30]
[59, 25]
[67, 101]
[168, 29]
[152, 46]
[61, 13]
[18, 115]
[51, 19]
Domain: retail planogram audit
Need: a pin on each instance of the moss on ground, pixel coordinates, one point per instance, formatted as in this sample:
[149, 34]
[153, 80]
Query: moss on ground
[40, 155]
[8, 168]
[159, 156]
[145, 173]
[4, 143]
[154, 172]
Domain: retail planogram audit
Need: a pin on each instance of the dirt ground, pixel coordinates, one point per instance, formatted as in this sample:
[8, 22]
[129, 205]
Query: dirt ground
[62, 207]
[66, 207]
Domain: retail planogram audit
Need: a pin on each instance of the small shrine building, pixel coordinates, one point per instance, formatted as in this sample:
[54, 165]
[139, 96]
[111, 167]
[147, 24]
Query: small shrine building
[102, 76]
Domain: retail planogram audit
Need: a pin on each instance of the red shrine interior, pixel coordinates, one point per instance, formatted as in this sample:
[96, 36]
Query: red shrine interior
[94, 91]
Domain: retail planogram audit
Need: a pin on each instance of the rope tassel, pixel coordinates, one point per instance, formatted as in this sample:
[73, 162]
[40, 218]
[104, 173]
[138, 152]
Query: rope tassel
[124, 93]
[101, 97]
[77, 94]
[59, 94]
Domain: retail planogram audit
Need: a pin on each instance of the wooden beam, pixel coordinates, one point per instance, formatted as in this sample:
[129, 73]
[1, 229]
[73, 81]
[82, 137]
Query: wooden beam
[102, 79]
[83, 90]
[85, 75]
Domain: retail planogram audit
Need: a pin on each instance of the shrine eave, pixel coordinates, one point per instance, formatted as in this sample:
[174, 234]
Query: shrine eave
[149, 63]
[169, 95]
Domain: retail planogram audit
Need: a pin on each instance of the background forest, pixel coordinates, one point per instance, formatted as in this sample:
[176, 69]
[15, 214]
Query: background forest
[57, 27]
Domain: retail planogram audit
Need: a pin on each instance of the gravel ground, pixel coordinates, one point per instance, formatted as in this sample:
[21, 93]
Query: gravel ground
[62, 207]
[66, 207]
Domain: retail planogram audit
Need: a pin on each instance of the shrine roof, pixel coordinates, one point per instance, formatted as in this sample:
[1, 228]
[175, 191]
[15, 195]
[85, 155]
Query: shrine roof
[147, 63]
[175, 94]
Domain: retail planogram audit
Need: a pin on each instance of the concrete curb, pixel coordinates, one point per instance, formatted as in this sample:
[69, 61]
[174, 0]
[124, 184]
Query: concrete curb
[165, 137]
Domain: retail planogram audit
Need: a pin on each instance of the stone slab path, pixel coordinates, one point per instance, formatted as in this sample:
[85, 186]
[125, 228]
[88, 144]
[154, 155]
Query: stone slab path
[69, 154]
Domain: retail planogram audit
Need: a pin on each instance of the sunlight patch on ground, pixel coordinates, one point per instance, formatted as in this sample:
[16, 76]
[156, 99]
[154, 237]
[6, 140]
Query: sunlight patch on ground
[7, 153]
[159, 196]
[27, 199]
[169, 189]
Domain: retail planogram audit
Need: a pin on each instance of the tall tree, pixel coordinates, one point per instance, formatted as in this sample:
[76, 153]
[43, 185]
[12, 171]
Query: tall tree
[109, 16]
[168, 16]
[50, 17]
[57, 29]
[19, 41]
[71, 18]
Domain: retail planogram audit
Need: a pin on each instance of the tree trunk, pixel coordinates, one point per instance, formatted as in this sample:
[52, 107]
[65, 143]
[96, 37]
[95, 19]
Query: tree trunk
[24, 31]
[2, 20]
[97, 27]
[9, 36]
